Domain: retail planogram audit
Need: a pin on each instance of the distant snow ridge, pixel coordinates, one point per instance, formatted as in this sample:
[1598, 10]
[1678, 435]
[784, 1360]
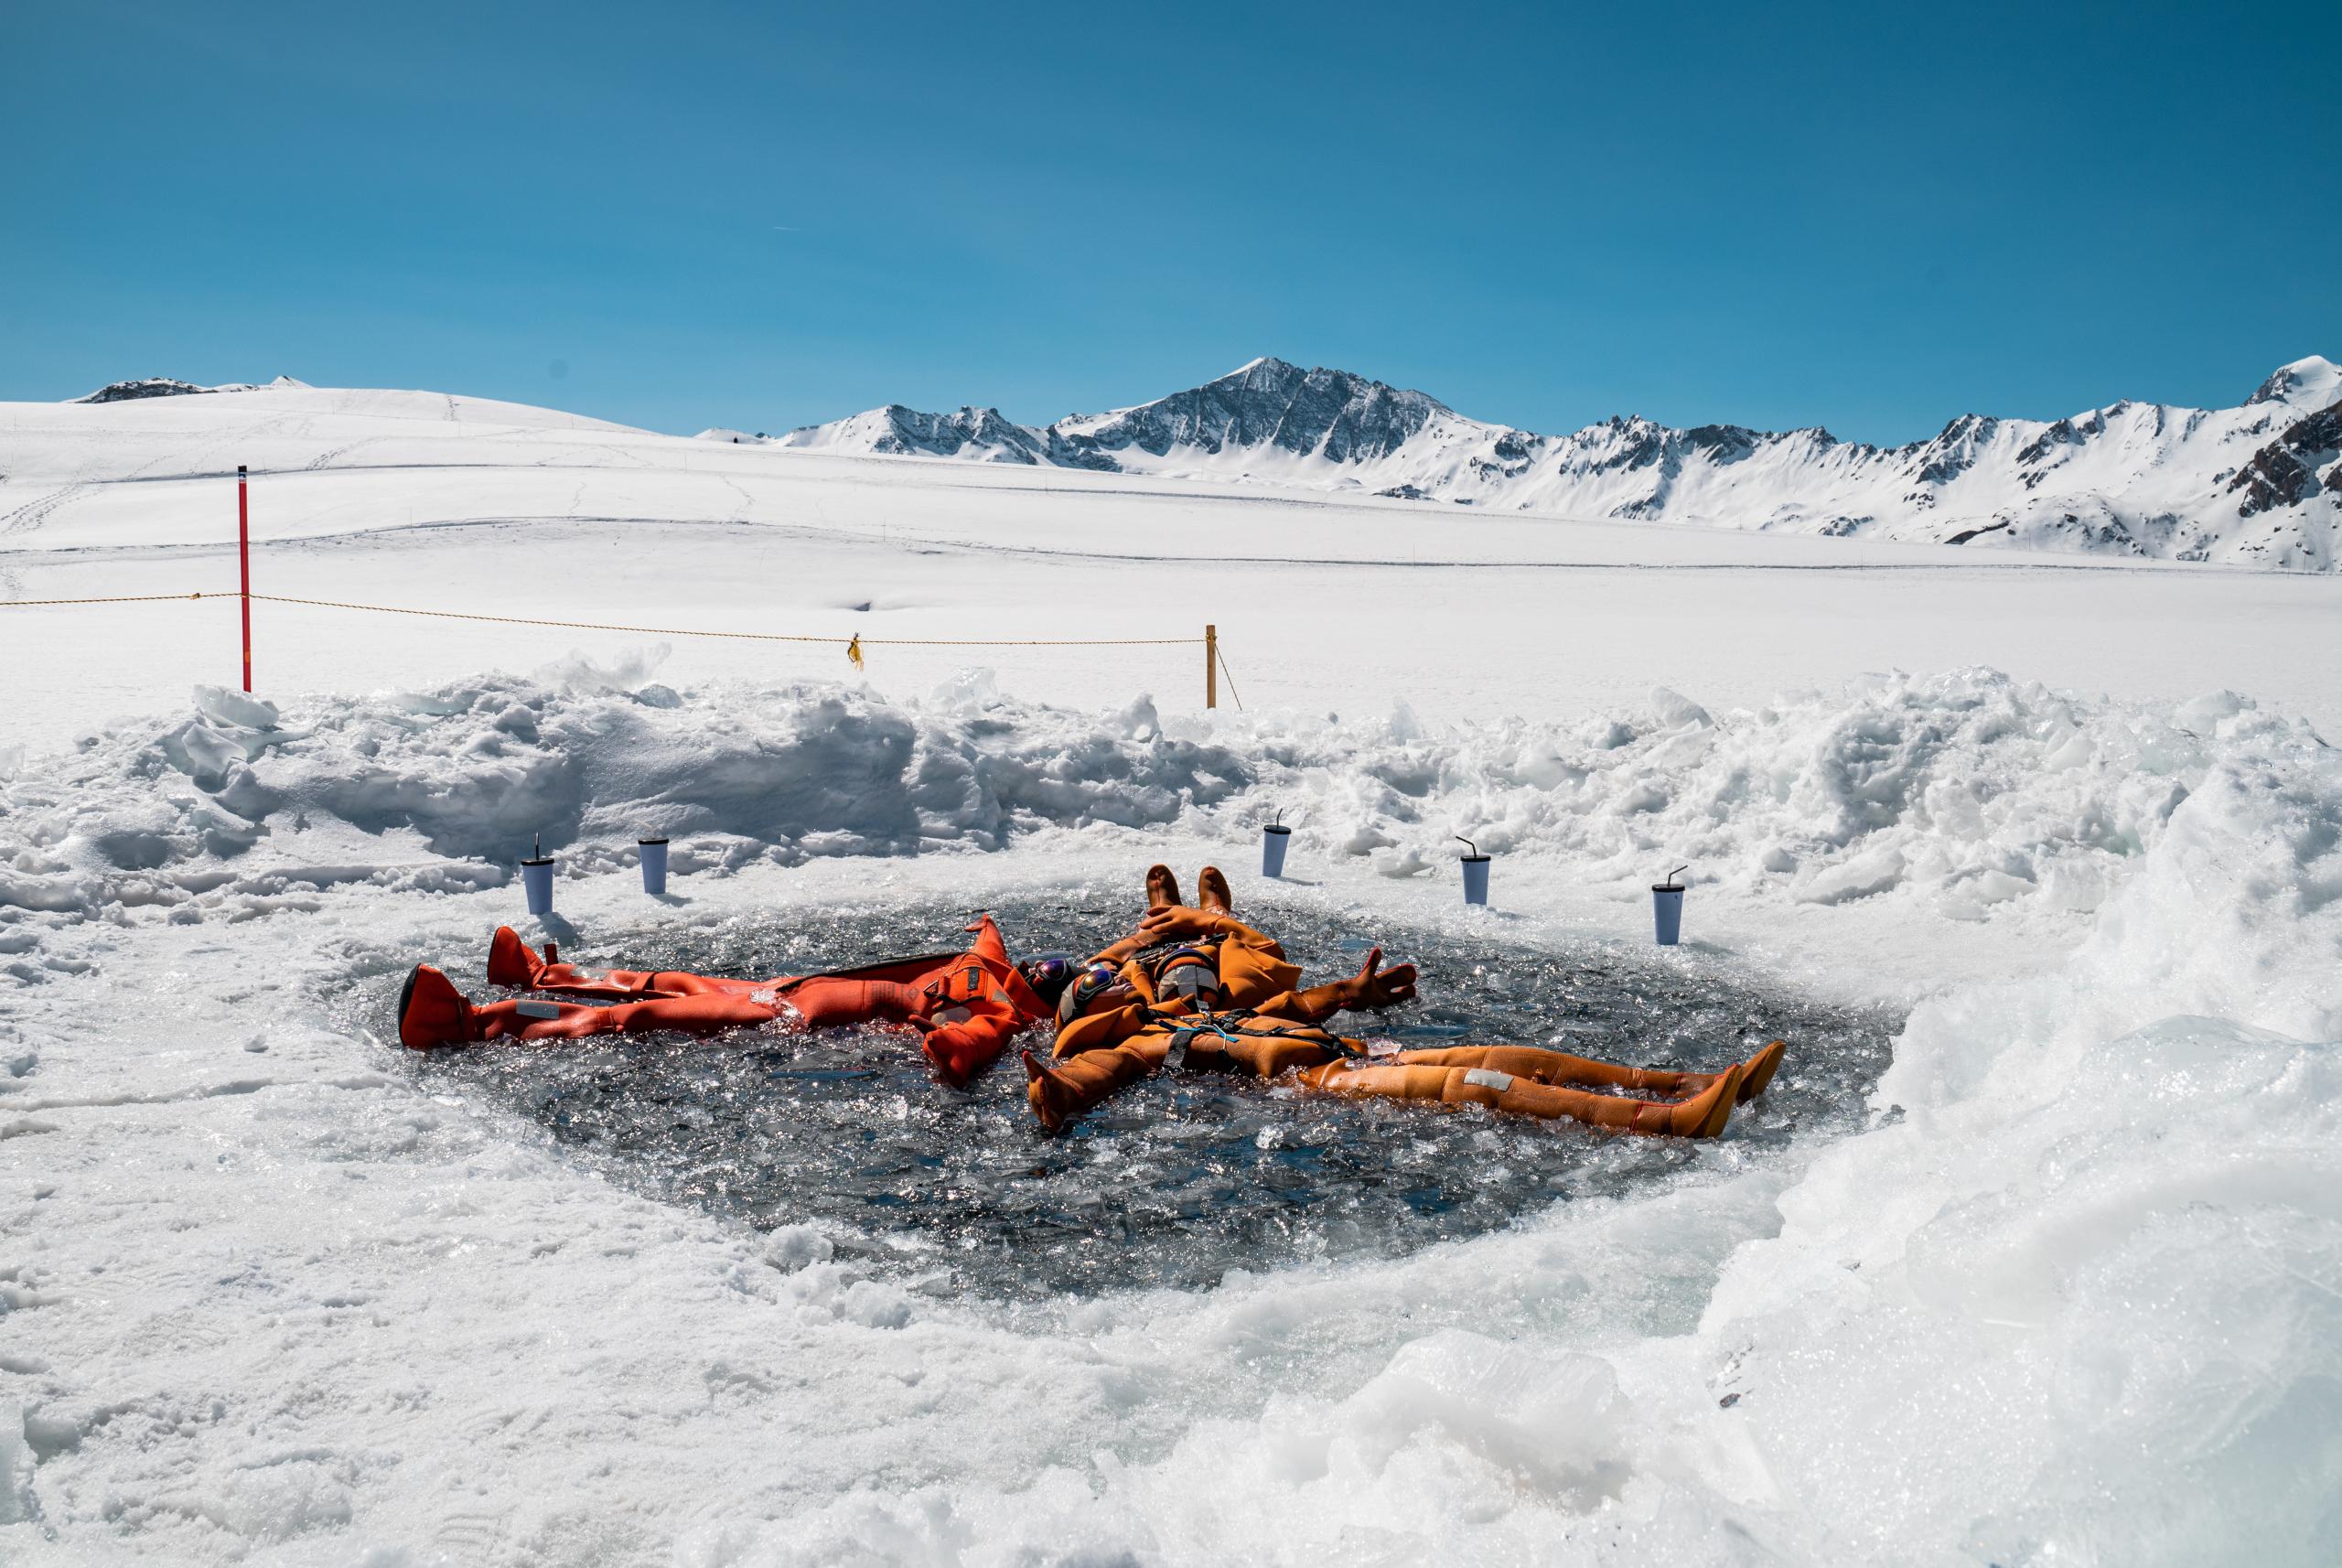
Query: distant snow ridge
[165, 386]
[2260, 484]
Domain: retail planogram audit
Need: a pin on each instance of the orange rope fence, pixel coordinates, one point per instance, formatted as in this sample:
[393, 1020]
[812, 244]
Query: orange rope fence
[852, 644]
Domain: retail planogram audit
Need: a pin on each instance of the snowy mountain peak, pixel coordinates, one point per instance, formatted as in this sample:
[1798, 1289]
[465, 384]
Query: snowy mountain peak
[2258, 484]
[2310, 383]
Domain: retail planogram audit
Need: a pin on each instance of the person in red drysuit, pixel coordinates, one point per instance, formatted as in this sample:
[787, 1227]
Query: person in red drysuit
[966, 1006]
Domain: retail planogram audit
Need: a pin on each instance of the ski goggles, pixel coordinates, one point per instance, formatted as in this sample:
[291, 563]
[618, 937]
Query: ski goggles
[1086, 988]
[1048, 974]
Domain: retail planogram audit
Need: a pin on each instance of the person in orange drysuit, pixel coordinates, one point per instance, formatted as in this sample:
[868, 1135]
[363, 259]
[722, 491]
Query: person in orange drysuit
[965, 1006]
[1246, 966]
[1111, 1036]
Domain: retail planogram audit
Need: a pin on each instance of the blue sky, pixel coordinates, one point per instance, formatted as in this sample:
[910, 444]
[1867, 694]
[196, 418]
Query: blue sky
[762, 216]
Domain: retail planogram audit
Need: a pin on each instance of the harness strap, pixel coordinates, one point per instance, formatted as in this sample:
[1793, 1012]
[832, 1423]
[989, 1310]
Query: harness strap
[1186, 1026]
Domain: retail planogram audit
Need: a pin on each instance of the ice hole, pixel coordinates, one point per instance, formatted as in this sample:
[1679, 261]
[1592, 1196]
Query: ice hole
[1179, 1179]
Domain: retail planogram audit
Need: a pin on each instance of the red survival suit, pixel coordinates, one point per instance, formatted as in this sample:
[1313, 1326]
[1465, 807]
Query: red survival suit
[966, 1005]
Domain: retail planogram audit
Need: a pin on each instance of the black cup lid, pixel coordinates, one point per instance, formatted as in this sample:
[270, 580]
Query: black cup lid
[1666, 887]
[650, 841]
[1273, 828]
[540, 860]
[1474, 859]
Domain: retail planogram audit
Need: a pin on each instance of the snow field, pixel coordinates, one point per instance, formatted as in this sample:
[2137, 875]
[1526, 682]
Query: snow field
[2069, 1295]
[1327, 603]
[275, 1302]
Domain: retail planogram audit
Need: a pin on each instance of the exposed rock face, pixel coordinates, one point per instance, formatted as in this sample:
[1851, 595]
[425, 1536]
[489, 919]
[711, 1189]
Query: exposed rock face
[165, 386]
[1331, 414]
[2284, 472]
[995, 438]
[2131, 478]
[151, 386]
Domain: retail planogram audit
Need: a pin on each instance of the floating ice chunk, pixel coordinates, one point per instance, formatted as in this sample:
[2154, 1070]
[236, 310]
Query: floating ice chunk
[795, 1247]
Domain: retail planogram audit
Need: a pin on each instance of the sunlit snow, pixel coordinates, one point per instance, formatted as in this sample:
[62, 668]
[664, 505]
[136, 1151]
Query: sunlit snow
[2038, 863]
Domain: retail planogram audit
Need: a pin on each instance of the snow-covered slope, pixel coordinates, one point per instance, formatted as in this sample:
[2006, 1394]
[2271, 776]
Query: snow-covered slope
[55, 455]
[2256, 484]
[2065, 1287]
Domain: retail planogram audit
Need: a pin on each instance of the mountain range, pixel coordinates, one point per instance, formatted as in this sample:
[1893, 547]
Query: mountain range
[2258, 484]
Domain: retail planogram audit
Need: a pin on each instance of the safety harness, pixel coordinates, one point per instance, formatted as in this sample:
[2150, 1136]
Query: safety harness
[1188, 1027]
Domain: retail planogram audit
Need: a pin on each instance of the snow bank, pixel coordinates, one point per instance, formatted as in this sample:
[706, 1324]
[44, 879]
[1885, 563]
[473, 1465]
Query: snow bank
[2076, 1297]
[446, 789]
[1968, 794]
[2075, 1294]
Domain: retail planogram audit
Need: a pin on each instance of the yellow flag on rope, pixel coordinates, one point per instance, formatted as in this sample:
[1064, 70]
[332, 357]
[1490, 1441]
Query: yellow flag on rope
[853, 649]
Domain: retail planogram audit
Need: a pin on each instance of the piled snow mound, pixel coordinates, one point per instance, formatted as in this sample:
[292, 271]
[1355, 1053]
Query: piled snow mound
[1974, 795]
[448, 788]
[1967, 789]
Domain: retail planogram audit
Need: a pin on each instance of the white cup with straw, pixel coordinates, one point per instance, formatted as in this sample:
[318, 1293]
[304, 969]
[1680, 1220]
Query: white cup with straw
[1476, 872]
[1667, 907]
[536, 876]
[1274, 836]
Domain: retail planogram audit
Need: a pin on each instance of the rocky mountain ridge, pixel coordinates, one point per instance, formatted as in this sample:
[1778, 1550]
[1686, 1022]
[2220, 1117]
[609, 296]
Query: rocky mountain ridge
[2257, 484]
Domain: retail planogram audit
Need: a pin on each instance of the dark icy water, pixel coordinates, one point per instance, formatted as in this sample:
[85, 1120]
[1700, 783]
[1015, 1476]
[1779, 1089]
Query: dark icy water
[1179, 1179]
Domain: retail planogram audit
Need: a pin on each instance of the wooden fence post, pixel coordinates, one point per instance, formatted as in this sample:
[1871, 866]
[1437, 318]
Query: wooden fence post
[1211, 667]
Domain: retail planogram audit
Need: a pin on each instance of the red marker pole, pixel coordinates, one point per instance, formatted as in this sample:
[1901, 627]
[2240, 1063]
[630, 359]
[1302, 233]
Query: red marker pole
[245, 567]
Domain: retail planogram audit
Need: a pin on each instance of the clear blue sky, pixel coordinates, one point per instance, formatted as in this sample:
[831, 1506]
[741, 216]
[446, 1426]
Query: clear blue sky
[762, 215]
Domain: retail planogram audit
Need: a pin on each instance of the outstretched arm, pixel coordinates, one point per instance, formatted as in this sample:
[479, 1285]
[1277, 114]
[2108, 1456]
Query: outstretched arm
[1371, 989]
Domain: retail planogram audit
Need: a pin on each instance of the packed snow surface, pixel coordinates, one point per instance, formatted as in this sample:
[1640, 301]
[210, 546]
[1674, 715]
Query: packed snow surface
[275, 1293]
[2036, 1258]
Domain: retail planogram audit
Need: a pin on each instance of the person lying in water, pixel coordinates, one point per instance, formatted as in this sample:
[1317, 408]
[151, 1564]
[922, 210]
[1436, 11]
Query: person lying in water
[1174, 945]
[1115, 1036]
[966, 1006]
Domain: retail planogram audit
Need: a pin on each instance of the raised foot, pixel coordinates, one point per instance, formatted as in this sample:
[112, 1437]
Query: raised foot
[1161, 888]
[432, 1012]
[1212, 888]
[1757, 1072]
[1702, 1116]
[1721, 1096]
[1055, 1101]
[510, 960]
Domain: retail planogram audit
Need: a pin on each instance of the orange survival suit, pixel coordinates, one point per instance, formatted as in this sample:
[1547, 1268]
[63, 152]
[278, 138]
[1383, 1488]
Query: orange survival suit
[965, 1006]
[1251, 967]
[1100, 1052]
